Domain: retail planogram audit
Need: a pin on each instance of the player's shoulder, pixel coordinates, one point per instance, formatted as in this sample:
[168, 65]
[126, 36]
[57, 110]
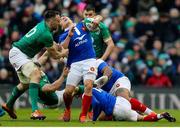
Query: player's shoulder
[103, 25]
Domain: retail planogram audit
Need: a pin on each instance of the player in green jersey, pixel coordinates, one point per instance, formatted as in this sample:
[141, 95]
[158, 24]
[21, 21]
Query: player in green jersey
[21, 56]
[48, 93]
[103, 43]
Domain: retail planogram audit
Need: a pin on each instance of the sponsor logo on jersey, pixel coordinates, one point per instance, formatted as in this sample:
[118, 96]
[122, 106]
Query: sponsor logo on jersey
[81, 42]
[80, 38]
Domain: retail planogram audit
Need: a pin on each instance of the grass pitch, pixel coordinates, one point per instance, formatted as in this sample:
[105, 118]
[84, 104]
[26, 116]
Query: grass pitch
[53, 114]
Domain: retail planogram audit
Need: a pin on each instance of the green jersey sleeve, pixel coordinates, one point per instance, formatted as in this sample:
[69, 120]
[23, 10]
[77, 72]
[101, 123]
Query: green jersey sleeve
[46, 39]
[105, 32]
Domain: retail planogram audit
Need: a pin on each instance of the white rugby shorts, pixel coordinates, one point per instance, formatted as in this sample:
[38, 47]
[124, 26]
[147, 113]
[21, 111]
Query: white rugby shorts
[122, 82]
[85, 70]
[122, 110]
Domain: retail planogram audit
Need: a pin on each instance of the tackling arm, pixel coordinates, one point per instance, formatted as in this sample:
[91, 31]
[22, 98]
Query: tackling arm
[57, 84]
[43, 59]
[54, 52]
[65, 43]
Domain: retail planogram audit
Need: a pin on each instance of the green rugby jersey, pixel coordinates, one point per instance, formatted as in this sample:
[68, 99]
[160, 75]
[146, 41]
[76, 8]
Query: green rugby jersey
[48, 98]
[35, 40]
[100, 36]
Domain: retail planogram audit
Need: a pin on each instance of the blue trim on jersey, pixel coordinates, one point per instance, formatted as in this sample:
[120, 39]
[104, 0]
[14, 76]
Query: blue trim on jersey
[115, 75]
[80, 45]
[102, 101]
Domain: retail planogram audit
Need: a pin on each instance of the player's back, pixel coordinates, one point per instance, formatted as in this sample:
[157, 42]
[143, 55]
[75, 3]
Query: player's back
[81, 44]
[115, 75]
[46, 97]
[35, 40]
[106, 100]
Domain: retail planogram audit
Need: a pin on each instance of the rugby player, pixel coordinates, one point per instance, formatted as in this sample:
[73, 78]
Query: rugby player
[116, 83]
[119, 108]
[48, 93]
[103, 43]
[21, 55]
[81, 60]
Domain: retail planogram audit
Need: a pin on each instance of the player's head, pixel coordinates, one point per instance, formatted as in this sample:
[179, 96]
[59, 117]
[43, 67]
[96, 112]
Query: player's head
[89, 12]
[52, 18]
[65, 22]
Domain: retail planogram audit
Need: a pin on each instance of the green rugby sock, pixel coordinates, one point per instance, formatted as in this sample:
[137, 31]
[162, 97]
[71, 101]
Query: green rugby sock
[33, 93]
[16, 93]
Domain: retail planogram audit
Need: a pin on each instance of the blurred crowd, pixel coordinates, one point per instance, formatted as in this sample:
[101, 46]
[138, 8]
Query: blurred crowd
[146, 34]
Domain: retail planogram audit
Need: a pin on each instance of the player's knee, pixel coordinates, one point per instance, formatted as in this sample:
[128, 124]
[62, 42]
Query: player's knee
[88, 86]
[35, 75]
[21, 86]
[69, 90]
[123, 92]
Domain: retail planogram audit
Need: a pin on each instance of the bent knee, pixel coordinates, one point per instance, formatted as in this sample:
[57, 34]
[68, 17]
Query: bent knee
[88, 86]
[69, 90]
[123, 92]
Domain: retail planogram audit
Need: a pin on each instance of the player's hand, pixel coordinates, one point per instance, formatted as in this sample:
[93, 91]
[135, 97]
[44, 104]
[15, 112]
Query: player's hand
[64, 52]
[71, 30]
[65, 72]
[59, 47]
[96, 21]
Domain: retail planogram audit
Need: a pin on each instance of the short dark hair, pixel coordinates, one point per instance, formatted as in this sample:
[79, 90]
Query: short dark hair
[89, 8]
[50, 14]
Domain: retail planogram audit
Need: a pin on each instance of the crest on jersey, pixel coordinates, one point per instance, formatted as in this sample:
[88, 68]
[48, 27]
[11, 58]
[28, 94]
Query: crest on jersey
[92, 69]
[117, 85]
[83, 28]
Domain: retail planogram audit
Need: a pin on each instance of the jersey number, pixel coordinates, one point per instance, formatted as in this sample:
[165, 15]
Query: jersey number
[77, 31]
[31, 32]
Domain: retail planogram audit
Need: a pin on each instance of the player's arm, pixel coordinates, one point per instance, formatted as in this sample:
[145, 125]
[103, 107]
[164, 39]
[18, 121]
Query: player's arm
[57, 84]
[43, 59]
[65, 43]
[110, 46]
[105, 70]
[96, 108]
[108, 40]
[55, 53]
[92, 24]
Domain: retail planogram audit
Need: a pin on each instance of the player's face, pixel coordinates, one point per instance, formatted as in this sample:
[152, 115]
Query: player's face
[55, 22]
[88, 14]
[65, 21]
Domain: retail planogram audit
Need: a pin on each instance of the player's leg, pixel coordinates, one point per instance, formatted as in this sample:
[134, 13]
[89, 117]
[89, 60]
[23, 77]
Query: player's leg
[121, 109]
[73, 79]
[122, 88]
[156, 117]
[16, 93]
[33, 72]
[60, 97]
[17, 59]
[89, 75]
